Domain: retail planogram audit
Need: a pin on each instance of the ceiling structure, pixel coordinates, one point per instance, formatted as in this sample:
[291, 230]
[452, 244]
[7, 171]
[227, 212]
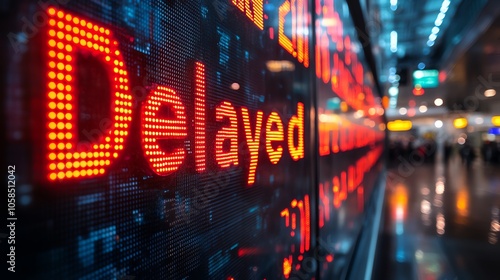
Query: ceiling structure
[460, 38]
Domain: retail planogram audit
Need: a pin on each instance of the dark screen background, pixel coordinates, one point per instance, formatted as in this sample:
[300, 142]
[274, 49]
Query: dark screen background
[133, 224]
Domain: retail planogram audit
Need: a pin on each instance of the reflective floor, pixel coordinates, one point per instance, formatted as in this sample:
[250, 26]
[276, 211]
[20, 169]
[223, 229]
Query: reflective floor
[441, 221]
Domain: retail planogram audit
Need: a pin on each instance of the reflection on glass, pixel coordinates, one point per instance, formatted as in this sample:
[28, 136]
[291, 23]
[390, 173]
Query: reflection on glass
[494, 226]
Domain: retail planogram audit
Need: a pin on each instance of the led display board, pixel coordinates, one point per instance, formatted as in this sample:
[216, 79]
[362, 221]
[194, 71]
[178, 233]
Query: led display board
[426, 78]
[186, 140]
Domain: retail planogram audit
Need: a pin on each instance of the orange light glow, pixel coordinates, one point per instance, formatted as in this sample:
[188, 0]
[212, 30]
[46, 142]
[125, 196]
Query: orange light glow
[60, 84]
[226, 158]
[274, 135]
[252, 141]
[296, 123]
[287, 267]
[200, 117]
[255, 13]
[155, 127]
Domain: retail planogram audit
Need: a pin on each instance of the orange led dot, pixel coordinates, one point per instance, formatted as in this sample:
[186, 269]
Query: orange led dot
[68, 88]
[83, 42]
[69, 135]
[68, 78]
[52, 146]
[69, 97]
[52, 94]
[60, 156]
[60, 66]
[52, 115]
[76, 40]
[108, 162]
[69, 58]
[89, 44]
[60, 24]
[69, 116]
[60, 55]
[52, 166]
[52, 22]
[52, 156]
[60, 166]
[60, 35]
[52, 11]
[52, 105]
[115, 155]
[60, 45]
[69, 174]
[60, 14]
[68, 37]
[76, 20]
[69, 155]
[60, 116]
[69, 68]
[76, 173]
[106, 31]
[60, 146]
[68, 17]
[69, 164]
[60, 175]
[106, 41]
[52, 54]
[60, 136]
[76, 155]
[90, 25]
[83, 22]
[52, 32]
[68, 107]
[83, 164]
[96, 28]
[69, 145]
[60, 86]
[60, 76]
[76, 164]
[60, 96]
[52, 176]
[52, 64]
[60, 125]
[83, 173]
[89, 35]
[52, 85]
[69, 48]
[101, 171]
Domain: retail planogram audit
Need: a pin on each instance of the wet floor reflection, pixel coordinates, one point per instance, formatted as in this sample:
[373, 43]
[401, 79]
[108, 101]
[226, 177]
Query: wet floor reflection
[442, 222]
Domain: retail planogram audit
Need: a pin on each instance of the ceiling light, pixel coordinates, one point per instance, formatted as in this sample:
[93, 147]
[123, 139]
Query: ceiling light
[441, 16]
[438, 124]
[430, 43]
[432, 37]
[403, 111]
[438, 102]
[444, 9]
[394, 41]
[421, 66]
[438, 22]
[435, 30]
[422, 109]
[393, 91]
[479, 120]
[490, 92]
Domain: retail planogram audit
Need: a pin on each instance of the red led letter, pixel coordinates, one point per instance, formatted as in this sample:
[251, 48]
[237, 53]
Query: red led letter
[274, 136]
[255, 14]
[227, 133]
[252, 141]
[297, 152]
[199, 117]
[156, 127]
[67, 36]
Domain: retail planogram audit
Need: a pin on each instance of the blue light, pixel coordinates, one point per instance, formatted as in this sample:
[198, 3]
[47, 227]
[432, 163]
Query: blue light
[421, 66]
[494, 131]
[435, 30]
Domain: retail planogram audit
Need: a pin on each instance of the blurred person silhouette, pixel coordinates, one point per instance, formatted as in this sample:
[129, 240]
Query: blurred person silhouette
[467, 154]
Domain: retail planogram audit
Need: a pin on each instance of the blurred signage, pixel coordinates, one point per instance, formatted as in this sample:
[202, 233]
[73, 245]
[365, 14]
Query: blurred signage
[426, 78]
[494, 131]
